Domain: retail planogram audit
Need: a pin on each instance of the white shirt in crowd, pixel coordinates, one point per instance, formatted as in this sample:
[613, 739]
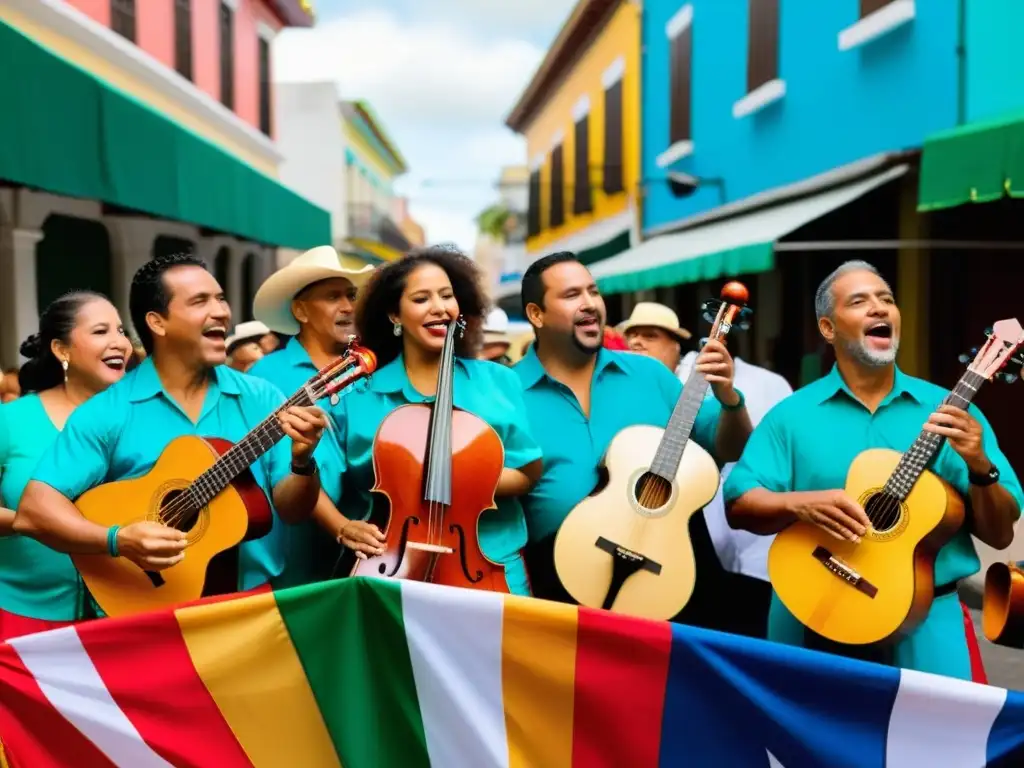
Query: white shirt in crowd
[741, 551]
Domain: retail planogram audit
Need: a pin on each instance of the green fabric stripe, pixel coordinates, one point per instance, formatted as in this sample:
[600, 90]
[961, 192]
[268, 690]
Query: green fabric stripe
[350, 638]
[744, 260]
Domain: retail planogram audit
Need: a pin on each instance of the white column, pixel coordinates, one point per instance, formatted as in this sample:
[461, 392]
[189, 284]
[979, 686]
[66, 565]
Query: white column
[18, 295]
[131, 246]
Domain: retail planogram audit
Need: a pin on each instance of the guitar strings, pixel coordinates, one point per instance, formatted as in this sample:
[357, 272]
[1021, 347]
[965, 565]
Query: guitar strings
[184, 504]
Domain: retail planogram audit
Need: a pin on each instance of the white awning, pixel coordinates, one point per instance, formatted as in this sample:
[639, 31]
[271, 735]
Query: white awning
[740, 245]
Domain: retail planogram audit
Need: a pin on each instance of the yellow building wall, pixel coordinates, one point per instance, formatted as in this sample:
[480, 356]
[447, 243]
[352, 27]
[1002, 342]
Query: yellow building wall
[130, 83]
[367, 154]
[620, 37]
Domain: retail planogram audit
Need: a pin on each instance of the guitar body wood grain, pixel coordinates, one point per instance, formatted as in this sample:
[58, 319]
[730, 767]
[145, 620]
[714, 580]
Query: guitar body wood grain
[662, 535]
[239, 512]
[899, 562]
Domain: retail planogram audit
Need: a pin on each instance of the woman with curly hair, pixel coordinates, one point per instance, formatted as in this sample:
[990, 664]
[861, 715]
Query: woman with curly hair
[80, 350]
[402, 315]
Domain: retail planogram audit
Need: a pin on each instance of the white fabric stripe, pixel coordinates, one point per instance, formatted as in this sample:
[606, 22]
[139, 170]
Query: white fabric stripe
[73, 686]
[773, 761]
[941, 721]
[454, 638]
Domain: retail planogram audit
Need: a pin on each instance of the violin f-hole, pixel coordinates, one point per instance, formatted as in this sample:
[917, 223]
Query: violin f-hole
[456, 528]
[401, 548]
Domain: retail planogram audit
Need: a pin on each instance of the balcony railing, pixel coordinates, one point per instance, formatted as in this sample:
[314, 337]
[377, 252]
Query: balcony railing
[370, 223]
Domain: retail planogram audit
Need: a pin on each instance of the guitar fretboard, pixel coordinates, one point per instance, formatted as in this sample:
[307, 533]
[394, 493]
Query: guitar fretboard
[680, 425]
[927, 444]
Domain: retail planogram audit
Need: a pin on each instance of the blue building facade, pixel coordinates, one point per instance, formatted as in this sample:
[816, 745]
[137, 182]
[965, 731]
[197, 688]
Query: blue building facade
[845, 87]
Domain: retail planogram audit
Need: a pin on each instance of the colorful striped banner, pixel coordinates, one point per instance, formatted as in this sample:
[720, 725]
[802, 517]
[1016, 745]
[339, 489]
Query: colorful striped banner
[364, 673]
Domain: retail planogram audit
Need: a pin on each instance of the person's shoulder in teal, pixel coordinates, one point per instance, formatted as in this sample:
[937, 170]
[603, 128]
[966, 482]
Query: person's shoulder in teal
[35, 581]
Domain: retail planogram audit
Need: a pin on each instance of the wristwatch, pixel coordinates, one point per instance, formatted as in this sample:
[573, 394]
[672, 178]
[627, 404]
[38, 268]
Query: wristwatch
[989, 478]
[305, 471]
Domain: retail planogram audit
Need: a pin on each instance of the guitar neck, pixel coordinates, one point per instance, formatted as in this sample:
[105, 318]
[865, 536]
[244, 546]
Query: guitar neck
[244, 453]
[680, 425]
[927, 445]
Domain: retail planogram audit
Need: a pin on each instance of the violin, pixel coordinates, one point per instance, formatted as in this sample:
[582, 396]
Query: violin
[438, 468]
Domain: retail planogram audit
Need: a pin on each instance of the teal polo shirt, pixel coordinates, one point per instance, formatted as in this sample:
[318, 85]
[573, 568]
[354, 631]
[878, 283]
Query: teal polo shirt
[305, 549]
[488, 390]
[627, 390]
[808, 441]
[35, 581]
[120, 433]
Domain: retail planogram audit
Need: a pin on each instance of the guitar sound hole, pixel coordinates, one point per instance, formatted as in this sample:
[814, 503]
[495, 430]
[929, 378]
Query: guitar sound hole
[652, 491]
[177, 512]
[883, 510]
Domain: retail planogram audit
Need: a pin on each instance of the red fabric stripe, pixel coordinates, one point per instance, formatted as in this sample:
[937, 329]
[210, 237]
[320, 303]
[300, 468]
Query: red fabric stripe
[144, 662]
[35, 735]
[973, 649]
[12, 625]
[621, 673]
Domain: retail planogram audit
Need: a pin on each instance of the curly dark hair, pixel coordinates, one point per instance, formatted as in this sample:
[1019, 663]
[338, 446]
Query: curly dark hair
[382, 294]
[149, 292]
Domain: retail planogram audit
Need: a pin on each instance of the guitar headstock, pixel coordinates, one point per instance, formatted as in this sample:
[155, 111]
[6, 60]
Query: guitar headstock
[727, 313]
[356, 363]
[998, 357]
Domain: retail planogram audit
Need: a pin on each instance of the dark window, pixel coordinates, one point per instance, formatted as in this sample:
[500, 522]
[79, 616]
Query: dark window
[222, 269]
[250, 282]
[613, 139]
[867, 7]
[581, 202]
[265, 105]
[763, 43]
[122, 18]
[183, 37]
[680, 61]
[556, 213]
[227, 57]
[533, 209]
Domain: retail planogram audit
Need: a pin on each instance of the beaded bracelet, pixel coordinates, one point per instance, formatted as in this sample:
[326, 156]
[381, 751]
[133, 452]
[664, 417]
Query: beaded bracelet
[112, 540]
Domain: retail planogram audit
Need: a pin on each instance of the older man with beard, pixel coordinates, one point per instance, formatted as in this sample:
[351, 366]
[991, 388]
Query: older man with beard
[313, 300]
[579, 395]
[795, 465]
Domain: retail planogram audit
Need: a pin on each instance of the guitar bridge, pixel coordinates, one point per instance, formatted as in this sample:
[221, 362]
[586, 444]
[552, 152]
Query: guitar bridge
[844, 572]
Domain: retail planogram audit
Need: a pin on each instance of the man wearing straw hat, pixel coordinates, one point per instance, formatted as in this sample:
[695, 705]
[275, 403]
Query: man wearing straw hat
[313, 300]
[654, 330]
[243, 346]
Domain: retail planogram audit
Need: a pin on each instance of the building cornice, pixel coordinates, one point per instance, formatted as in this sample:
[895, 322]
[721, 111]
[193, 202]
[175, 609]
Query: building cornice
[77, 26]
[585, 23]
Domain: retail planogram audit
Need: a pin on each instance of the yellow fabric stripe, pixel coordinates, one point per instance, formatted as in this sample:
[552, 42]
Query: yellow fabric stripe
[538, 680]
[245, 658]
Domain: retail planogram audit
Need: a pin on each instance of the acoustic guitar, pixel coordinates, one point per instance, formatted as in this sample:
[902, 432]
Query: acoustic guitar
[204, 487]
[1002, 607]
[881, 589]
[626, 548]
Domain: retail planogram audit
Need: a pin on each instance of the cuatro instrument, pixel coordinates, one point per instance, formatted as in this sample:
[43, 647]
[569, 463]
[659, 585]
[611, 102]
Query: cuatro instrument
[204, 487]
[437, 468]
[627, 547]
[1002, 607]
[880, 589]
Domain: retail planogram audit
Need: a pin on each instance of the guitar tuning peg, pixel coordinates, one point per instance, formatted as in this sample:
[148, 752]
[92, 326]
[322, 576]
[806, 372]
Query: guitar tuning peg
[704, 340]
[988, 333]
[710, 316]
[1007, 378]
[742, 325]
[964, 358]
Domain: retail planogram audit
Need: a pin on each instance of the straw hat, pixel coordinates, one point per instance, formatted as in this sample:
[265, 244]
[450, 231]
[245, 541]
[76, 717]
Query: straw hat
[496, 327]
[651, 315]
[252, 329]
[273, 301]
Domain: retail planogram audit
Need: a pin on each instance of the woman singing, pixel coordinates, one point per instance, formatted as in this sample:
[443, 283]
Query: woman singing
[80, 350]
[402, 316]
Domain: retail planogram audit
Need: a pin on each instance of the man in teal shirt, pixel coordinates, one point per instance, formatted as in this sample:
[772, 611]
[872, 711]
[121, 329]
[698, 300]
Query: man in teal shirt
[796, 462]
[313, 300]
[182, 388]
[579, 396]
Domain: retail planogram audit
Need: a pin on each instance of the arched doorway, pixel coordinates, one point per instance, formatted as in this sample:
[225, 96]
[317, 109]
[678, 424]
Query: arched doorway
[168, 245]
[74, 255]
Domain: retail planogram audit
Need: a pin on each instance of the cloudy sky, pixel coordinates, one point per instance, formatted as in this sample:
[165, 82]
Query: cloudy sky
[441, 75]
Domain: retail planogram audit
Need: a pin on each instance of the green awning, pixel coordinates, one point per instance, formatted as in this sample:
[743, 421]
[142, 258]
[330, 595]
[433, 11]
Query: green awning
[739, 245]
[974, 163]
[66, 132]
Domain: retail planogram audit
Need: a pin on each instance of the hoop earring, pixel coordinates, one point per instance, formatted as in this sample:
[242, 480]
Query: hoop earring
[397, 330]
[64, 365]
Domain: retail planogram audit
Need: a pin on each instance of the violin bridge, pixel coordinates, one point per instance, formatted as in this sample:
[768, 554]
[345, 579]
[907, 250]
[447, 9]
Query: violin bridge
[436, 548]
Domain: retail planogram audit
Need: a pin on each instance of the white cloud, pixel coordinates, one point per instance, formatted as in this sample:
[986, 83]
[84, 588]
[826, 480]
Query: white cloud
[441, 86]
